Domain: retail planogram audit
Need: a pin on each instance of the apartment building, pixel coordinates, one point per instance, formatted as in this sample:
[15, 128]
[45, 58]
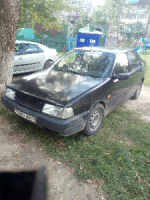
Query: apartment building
[78, 6]
[139, 10]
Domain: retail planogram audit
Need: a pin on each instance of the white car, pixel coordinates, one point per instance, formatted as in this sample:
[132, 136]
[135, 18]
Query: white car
[31, 56]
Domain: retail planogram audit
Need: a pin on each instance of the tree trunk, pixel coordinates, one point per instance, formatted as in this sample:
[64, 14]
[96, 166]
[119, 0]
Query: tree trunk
[9, 16]
[148, 21]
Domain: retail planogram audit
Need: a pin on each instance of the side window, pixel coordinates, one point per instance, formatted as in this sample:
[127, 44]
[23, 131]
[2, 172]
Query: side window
[133, 61]
[121, 64]
[18, 49]
[31, 48]
[41, 50]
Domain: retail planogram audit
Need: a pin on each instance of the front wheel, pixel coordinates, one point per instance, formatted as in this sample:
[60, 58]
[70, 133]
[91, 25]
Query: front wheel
[138, 91]
[95, 120]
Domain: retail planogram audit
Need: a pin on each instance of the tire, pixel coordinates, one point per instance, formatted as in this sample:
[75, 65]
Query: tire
[94, 121]
[47, 64]
[138, 91]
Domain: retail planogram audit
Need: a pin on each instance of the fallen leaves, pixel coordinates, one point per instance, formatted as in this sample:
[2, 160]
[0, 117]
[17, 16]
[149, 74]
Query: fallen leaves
[118, 171]
[72, 171]
[107, 154]
[139, 180]
[119, 159]
[22, 144]
[88, 158]
[146, 182]
[16, 156]
[89, 181]
[125, 122]
[86, 142]
[77, 197]
[61, 143]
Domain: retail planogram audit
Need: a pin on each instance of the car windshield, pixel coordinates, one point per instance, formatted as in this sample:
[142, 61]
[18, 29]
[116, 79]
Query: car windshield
[88, 63]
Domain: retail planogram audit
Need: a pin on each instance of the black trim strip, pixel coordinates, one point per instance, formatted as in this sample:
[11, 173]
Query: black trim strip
[26, 64]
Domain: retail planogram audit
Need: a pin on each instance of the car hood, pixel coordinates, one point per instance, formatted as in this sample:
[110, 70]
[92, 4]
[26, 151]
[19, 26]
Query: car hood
[58, 86]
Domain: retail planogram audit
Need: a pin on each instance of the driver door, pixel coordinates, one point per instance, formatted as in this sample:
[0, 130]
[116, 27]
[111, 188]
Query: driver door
[119, 88]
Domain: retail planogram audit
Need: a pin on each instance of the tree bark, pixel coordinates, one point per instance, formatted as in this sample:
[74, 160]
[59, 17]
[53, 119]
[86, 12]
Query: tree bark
[9, 16]
[148, 20]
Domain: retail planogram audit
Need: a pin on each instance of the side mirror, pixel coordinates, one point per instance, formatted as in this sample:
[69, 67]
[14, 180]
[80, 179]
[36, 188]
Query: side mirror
[122, 76]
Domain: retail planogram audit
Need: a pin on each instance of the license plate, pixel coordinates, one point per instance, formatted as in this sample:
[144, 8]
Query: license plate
[25, 116]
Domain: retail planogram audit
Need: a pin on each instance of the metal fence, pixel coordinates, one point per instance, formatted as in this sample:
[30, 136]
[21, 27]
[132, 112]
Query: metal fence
[56, 43]
[71, 42]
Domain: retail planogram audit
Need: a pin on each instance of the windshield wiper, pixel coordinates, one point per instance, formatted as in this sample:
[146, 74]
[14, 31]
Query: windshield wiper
[73, 72]
[60, 69]
[69, 71]
[76, 73]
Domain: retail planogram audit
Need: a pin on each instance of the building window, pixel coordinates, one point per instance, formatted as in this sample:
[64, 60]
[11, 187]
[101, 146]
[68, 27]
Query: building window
[143, 7]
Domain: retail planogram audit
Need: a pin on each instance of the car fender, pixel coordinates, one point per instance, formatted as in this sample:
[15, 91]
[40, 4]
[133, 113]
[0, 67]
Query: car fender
[98, 102]
[48, 58]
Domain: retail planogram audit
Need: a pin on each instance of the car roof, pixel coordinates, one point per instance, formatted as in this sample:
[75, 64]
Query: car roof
[106, 49]
[23, 41]
[40, 45]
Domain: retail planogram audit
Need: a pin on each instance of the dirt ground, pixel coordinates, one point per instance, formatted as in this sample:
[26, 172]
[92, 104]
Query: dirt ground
[142, 104]
[62, 184]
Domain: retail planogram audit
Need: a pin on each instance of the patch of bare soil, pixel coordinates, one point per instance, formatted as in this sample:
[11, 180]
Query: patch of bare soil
[15, 155]
[142, 104]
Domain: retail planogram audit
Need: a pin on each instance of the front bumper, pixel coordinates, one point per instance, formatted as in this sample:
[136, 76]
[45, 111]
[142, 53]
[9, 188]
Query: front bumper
[62, 127]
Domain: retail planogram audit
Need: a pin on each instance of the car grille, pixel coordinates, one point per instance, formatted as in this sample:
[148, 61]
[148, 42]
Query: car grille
[29, 101]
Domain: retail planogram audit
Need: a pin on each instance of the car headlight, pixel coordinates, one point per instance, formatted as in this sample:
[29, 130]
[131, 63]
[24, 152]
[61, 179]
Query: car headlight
[63, 113]
[10, 93]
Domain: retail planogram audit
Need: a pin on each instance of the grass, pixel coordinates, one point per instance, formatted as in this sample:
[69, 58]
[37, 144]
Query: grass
[117, 157]
[60, 53]
[147, 58]
[118, 154]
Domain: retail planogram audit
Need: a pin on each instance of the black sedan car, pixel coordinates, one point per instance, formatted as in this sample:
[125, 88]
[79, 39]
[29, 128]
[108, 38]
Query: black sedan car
[79, 90]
